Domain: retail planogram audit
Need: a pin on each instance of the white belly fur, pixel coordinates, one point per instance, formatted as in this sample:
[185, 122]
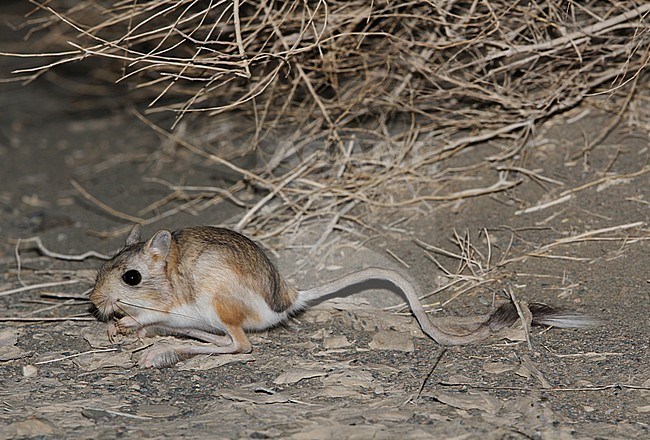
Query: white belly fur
[202, 315]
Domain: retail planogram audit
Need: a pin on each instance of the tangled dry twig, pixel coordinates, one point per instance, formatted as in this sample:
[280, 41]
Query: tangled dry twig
[385, 91]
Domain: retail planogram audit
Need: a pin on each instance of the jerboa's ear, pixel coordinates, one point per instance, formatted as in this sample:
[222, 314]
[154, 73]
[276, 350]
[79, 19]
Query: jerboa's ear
[159, 244]
[134, 235]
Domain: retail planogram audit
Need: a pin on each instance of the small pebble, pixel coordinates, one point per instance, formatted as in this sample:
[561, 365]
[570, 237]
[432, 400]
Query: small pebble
[29, 370]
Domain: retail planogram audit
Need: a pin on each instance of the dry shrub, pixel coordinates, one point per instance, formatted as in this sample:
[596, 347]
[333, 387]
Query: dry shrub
[362, 101]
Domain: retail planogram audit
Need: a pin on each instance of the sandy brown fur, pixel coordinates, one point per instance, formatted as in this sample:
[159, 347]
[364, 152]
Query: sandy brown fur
[231, 311]
[243, 257]
[179, 274]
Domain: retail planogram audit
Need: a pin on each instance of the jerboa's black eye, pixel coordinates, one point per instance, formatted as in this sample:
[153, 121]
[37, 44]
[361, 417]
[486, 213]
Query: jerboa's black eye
[132, 277]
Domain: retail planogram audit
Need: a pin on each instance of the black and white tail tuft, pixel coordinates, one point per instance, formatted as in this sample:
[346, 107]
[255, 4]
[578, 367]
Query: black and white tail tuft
[543, 314]
[554, 317]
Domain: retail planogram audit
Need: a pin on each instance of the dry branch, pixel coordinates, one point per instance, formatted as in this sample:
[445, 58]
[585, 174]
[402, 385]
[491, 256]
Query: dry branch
[37, 286]
[386, 91]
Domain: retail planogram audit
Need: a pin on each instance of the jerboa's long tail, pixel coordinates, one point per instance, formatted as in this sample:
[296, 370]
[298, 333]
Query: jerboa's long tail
[504, 316]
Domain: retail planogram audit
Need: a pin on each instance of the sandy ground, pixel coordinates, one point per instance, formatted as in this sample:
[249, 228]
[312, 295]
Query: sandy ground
[347, 370]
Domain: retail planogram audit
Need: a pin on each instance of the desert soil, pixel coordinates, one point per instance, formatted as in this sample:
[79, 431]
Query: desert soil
[347, 369]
